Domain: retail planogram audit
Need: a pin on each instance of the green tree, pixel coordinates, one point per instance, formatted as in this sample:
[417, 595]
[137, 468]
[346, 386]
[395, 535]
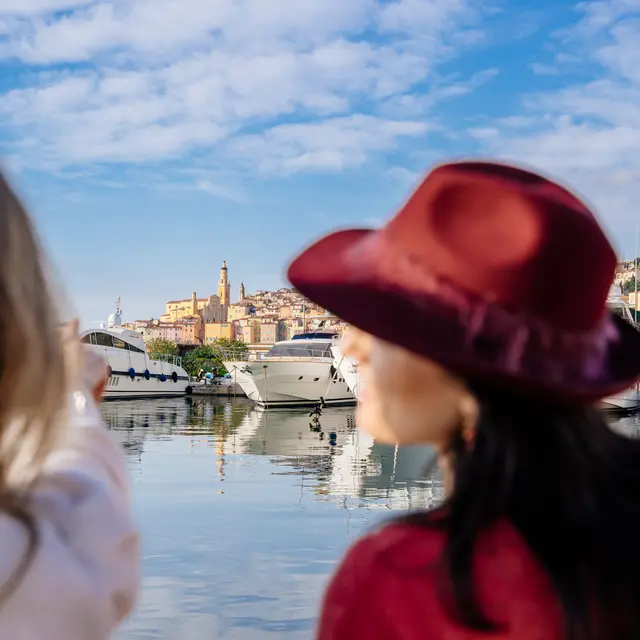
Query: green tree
[162, 347]
[205, 358]
[209, 357]
[225, 343]
[629, 286]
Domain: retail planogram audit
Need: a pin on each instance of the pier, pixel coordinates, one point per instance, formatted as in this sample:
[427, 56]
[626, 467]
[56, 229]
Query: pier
[226, 390]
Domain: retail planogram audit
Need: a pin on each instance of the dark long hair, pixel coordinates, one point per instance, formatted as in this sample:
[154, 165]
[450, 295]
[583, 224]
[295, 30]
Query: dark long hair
[570, 486]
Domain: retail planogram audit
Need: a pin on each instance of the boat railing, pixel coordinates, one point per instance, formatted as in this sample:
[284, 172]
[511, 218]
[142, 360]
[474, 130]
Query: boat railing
[296, 353]
[276, 352]
[236, 354]
[163, 357]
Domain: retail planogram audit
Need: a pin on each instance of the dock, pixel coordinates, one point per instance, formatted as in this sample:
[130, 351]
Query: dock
[225, 390]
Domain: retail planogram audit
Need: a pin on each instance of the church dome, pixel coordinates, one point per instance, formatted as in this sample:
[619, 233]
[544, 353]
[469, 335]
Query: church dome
[114, 320]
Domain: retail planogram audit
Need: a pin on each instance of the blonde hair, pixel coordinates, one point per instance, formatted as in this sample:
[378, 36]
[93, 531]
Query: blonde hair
[34, 372]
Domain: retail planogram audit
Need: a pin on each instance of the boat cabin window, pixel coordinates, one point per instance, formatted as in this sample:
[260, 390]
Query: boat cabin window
[314, 334]
[103, 340]
[302, 349]
[106, 340]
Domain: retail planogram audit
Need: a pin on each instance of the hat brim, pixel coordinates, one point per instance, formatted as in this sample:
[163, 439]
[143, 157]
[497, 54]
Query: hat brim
[362, 294]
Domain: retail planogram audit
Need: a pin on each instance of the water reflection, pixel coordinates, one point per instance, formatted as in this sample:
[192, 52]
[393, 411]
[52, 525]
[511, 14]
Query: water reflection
[341, 460]
[245, 512]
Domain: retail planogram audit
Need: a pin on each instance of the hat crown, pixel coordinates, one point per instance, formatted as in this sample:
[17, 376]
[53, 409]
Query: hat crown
[510, 236]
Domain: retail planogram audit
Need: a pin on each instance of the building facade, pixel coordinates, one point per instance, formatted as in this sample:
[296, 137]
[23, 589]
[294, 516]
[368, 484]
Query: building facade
[240, 310]
[259, 319]
[215, 330]
[209, 309]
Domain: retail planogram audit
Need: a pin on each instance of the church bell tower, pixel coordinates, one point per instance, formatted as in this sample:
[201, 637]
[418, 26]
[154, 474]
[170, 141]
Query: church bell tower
[224, 287]
[194, 304]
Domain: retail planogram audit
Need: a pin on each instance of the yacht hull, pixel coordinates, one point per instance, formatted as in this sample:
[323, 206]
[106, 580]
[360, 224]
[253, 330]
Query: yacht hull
[121, 385]
[626, 402]
[348, 369]
[291, 383]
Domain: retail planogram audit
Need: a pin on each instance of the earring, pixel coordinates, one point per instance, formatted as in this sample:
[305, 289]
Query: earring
[469, 412]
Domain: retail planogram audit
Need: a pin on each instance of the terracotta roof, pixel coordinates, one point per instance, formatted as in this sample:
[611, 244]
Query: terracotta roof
[187, 300]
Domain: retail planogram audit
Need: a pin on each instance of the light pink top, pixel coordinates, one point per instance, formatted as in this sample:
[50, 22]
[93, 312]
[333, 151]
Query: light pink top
[83, 580]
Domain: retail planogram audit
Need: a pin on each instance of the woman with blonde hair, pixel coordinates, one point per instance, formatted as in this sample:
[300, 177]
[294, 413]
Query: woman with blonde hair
[69, 547]
[470, 336]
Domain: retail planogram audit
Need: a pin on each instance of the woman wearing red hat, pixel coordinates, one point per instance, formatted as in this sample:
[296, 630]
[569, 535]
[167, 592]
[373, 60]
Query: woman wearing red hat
[468, 338]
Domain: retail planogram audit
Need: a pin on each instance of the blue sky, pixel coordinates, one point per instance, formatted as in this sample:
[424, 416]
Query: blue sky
[153, 139]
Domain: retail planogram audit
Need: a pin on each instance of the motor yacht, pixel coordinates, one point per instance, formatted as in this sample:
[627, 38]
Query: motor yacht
[133, 372]
[294, 373]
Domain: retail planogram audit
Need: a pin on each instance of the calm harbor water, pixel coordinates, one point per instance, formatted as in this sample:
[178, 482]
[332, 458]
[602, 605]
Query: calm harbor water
[245, 512]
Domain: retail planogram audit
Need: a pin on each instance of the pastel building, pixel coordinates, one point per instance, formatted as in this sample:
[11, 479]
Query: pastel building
[212, 309]
[215, 330]
[209, 309]
[192, 330]
[248, 330]
[272, 331]
[240, 310]
[171, 331]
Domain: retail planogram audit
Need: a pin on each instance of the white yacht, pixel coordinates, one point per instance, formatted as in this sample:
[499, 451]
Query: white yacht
[294, 373]
[133, 373]
[627, 401]
[348, 368]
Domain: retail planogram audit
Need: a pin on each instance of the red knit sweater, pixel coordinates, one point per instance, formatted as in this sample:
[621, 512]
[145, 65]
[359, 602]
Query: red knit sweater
[385, 589]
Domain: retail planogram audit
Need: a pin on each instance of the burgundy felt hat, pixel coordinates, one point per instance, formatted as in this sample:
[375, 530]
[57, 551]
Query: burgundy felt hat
[490, 270]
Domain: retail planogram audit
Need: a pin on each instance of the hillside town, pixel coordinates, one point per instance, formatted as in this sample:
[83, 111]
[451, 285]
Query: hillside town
[259, 319]
[625, 278]
[263, 318]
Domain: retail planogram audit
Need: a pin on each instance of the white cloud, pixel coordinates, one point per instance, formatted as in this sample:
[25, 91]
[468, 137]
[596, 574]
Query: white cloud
[587, 133]
[219, 190]
[161, 26]
[332, 144]
[160, 79]
[34, 7]
[598, 15]
[541, 69]
[410, 104]
[404, 175]
[424, 18]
